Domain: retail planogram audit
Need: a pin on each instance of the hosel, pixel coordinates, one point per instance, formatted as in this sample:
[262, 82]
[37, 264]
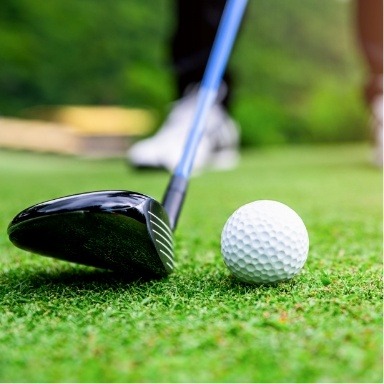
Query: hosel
[174, 198]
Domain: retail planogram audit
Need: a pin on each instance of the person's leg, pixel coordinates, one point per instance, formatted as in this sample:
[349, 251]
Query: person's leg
[190, 46]
[192, 39]
[370, 35]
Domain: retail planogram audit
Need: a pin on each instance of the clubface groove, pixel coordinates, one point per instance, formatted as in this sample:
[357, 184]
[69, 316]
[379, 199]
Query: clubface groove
[163, 238]
[164, 227]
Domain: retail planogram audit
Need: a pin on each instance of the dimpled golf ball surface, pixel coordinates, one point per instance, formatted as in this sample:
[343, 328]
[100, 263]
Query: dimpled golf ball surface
[264, 242]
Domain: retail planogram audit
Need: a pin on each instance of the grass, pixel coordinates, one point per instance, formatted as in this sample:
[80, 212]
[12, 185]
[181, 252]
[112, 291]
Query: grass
[62, 322]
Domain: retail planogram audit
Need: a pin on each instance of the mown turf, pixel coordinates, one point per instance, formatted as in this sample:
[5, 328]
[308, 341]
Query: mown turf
[63, 322]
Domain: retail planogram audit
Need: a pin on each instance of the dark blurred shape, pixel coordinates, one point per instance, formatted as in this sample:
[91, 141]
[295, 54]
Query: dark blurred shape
[370, 34]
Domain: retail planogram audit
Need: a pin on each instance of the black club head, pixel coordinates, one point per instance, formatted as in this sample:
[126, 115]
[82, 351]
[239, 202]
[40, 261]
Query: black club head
[122, 231]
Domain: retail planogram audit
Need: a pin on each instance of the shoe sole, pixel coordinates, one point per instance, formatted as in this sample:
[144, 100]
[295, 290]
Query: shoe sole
[224, 160]
[220, 161]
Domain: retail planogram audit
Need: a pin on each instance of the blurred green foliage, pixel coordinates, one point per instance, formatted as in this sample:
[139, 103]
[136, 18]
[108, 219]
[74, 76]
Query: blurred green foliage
[298, 73]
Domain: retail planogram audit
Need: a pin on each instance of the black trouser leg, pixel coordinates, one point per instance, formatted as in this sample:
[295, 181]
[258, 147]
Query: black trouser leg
[196, 26]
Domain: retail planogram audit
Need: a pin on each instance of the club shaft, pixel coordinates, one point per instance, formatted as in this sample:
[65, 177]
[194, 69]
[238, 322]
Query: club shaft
[207, 93]
[211, 82]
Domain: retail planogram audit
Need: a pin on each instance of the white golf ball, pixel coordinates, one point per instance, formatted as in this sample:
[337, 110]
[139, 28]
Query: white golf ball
[264, 242]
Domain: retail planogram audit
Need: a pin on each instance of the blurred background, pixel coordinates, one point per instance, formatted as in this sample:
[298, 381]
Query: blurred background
[298, 70]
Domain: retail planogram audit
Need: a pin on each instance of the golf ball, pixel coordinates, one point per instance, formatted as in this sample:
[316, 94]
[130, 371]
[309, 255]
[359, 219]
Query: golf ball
[264, 242]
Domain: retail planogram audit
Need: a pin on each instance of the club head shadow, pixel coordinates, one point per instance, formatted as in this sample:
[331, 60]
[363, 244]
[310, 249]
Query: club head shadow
[122, 231]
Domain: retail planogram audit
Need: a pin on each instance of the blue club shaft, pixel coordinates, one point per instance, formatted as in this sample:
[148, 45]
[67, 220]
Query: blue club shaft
[207, 93]
[211, 82]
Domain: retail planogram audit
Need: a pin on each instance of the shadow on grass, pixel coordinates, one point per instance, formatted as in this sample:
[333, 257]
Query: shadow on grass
[281, 286]
[78, 279]
[69, 281]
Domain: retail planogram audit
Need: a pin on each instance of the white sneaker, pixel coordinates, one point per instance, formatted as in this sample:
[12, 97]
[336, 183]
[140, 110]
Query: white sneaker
[218, 147]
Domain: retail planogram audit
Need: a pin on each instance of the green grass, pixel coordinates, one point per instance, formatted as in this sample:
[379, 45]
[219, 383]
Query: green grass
[64, 322]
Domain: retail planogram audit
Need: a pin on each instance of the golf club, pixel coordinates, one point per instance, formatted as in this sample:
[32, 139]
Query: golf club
[127, 231]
